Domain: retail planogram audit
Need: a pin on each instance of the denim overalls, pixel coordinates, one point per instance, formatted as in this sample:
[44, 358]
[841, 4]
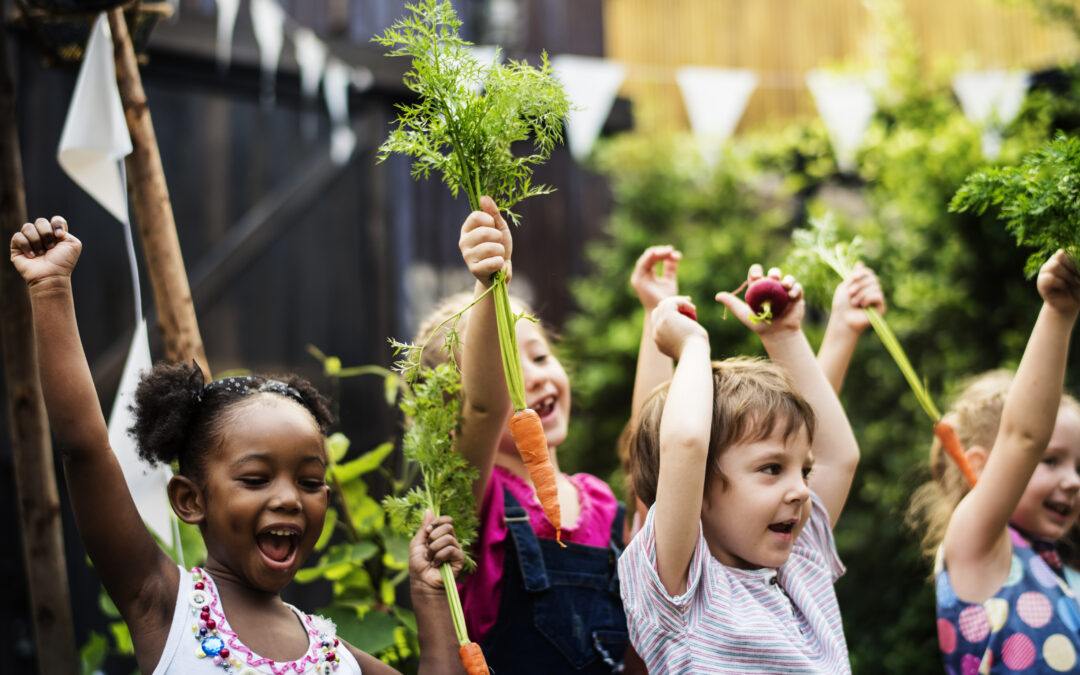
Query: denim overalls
[560, 610]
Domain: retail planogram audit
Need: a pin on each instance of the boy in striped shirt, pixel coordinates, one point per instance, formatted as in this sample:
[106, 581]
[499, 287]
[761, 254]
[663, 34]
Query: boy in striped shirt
[746, 466]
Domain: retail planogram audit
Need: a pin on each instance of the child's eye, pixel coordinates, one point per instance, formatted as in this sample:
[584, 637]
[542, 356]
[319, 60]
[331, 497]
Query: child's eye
[1050, 461]
[806, 472]
[540, 359]
[771, 469]
[313, 483]
[252, 481]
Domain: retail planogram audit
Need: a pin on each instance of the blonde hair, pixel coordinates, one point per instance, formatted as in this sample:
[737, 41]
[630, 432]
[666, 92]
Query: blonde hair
[751, 399]
[975, 415]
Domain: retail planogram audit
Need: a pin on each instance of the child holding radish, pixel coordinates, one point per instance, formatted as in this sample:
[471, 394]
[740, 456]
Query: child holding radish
[252, 477]
[746, 466]
[536, 605]
[1002, 601]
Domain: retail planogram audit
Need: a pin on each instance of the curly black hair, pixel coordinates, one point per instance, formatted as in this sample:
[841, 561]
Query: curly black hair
[178, 418]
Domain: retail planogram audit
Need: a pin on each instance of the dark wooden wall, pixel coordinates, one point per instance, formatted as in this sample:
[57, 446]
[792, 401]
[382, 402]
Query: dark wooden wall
[357, 256]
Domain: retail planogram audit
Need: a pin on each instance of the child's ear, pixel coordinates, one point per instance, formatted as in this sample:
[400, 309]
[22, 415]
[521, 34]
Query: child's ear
[976, 457]
[187, 500]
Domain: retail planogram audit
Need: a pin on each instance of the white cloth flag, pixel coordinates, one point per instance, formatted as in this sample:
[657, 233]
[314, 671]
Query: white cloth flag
[336, 82]
[268, 20]
[95, 135]
[226, 22]
[846, 105]
[93, 144]
[715, 99]
[591, 84]
[148, 484]
[991, 99]
[311, 57]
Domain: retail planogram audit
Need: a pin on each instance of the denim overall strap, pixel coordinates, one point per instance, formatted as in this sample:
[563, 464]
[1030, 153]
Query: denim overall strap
[529, 558]
[560, 610]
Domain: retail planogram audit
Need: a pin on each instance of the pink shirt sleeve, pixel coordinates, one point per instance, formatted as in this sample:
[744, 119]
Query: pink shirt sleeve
[481, 590]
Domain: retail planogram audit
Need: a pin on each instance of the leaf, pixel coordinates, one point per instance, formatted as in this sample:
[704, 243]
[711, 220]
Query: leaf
[372, 634]
[337, 446]
[396, 555]
[328, 529]
[92, 654]
[391, 384]
[363, 464]
[338, 561]
[122, 637]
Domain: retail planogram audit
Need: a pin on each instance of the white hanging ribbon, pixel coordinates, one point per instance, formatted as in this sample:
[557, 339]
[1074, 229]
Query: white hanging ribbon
[226, 22]
[591, 84]
[268, 21]
[846, 105]
[336, 81]
[991, 99]
[311, 57]
[715, 99]
[92, 148]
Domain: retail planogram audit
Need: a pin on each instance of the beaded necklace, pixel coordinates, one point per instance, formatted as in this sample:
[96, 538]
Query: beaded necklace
[219, 643]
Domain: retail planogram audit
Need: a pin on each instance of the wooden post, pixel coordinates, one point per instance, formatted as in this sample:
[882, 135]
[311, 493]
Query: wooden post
[153, 210]
[31, 444]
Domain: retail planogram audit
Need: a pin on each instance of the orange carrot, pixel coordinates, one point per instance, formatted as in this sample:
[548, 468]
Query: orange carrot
[945, 433]
[528, 433]
[472, 657]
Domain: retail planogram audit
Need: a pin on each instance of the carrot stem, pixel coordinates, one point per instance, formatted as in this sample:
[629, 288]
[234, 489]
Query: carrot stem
[452, 597]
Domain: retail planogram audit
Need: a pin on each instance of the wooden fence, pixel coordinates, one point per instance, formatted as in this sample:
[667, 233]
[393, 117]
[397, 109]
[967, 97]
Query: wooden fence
[783, 39]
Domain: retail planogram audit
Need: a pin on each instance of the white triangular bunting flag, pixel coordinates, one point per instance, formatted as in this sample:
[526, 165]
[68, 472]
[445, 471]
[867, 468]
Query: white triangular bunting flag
[95, 136]
[846, 105]
[336, 81]
[148, 484]
[715, 99]
[591, 84]
[268, 20]
[226, 22]
[311, 57]
[991, 99]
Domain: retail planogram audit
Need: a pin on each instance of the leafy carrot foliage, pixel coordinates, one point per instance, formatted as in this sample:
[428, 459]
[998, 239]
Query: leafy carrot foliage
[468, 114]
[1039, 200]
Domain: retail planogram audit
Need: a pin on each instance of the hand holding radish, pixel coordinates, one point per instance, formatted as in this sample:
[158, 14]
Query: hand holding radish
[651, 287]
[433, 545]
[784, 317]
[673, 327]
[860, 290]
[1059, 284]
[485, 242]
[44, 250]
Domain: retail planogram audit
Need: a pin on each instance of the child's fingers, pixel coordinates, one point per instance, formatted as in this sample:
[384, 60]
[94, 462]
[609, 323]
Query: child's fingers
[448, 552]
[787, 282]
[735, 305]
[33, 233]
[477, 219]
[775, 273]
[796, 291]
[756, 272]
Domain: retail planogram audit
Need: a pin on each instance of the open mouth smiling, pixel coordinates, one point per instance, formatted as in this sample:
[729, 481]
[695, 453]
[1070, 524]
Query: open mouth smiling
[545, 406]
[278, 544]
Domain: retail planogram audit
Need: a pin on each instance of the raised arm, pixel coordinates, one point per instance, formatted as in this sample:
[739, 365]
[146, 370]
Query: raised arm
[684, 441]
[836, 453]
[653, 367]
[139, 577]
[976, 537]
[486, 247]
[848, 321]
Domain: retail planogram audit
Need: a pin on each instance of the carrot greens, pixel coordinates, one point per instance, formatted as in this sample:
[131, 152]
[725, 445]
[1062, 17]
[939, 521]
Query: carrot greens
[1039, 199]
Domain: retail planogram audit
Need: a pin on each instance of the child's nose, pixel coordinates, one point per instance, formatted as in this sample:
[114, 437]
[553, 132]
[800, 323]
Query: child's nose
[1071, 481]
[286, 497]
[799, 491]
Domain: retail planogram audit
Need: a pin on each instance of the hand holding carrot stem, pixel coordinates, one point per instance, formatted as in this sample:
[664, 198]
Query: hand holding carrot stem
[486, 243]
[860, 290]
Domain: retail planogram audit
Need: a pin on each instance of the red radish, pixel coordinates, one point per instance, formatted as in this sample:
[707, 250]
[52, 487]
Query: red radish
[688, 311]
[768, 298]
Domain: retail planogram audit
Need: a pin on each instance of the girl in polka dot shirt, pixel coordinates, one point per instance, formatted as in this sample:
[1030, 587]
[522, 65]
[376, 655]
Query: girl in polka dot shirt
[1002, 603]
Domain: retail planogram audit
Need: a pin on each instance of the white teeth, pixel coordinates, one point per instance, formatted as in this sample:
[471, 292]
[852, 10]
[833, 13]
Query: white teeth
[280, 533]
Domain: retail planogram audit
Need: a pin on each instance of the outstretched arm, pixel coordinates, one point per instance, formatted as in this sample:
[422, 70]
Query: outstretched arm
[848, 321]
[139, 577]
[486, 247]
[976, 538]
[653, 367]
[836, 453]
[684, 441]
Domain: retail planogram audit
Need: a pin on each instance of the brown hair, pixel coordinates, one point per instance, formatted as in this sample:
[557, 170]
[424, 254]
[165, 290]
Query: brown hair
[975, 415]
[751, 399]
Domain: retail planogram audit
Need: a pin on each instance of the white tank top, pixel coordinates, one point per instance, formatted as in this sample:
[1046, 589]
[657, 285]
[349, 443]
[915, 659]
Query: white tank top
[208, 646]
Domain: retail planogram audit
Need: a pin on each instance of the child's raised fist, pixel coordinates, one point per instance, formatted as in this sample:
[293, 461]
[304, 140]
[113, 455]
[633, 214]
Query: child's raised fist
[485, 242]
[44, 249]
[1059, 283]
[674, 325]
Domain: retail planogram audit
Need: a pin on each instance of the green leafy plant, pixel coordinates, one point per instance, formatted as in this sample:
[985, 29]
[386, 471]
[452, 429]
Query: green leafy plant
[1039, 200]
[469, 114]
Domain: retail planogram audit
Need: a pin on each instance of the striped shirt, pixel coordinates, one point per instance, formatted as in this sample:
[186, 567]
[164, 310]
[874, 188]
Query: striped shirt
[739, 621]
